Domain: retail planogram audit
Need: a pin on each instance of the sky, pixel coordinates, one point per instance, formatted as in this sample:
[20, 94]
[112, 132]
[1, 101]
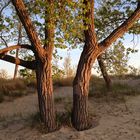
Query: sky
[75, 55]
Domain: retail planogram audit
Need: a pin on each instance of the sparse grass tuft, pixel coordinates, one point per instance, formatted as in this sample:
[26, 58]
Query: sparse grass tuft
[12, 88]
[64, 119]
[35, 119]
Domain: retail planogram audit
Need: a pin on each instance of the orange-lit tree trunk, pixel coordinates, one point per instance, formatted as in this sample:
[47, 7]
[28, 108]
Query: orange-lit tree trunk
[80, 116]
[91, 50]
[43, 57]
[44, 73]
[45, 94]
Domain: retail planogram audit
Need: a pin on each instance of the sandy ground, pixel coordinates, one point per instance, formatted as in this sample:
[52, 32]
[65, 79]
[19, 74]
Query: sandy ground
[115, 121]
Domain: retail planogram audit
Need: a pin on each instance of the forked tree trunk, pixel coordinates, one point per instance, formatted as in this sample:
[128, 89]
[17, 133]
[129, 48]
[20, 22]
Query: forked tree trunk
[104, 72]
[80, 116]
[45, 94]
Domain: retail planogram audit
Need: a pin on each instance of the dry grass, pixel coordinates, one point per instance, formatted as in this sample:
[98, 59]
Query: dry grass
[63, 81]
[118, 89]
[12, 88]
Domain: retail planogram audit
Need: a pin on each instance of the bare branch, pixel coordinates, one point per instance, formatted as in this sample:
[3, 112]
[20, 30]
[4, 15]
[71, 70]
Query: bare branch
[1, 10]
[11, 59]
[119, 32]
[4, 41]
[5, 50]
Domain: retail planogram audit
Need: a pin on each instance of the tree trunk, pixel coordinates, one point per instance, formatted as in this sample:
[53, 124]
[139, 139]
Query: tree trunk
[104, 72]
[16, 66]
[45, 94]
[80, 116]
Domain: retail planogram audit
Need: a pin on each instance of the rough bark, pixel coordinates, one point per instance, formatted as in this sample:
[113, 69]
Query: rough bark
[80, 116]
[45, 94]
[104, 72]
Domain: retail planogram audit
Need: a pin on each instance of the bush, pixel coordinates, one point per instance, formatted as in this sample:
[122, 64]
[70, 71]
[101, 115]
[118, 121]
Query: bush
[63, 81]
[123, 88]
[98, 89]
[14, 88]
[1, 97]
[30, 83]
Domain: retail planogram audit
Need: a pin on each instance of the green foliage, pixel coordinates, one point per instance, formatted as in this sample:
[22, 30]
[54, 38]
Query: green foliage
[109, 14]
[117, 59]
[29, 77]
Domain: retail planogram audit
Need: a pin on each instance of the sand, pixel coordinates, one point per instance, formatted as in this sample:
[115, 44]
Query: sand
[113, 120]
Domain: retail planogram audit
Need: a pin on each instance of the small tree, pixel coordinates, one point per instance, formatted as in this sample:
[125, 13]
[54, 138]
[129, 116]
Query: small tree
[3, 74]
[68, 70]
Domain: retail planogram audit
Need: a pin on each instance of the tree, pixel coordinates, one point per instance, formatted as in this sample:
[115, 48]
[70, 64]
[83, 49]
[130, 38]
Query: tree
[50, 33]
[42, 62]
[92, 49]
[69, 72]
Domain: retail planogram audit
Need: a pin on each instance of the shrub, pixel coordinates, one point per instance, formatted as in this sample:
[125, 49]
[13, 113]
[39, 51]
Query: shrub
[15, 88]
[98, 89]
[1, 97]
[63, 81]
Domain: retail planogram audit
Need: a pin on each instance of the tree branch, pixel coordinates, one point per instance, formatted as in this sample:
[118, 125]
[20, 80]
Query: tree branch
[4, 41]
[1, 10]
[5, 50]
[119, 32]
[28, 25]
[11, 59]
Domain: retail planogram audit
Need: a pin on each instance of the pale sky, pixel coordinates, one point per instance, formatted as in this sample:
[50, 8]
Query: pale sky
[75, 54]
